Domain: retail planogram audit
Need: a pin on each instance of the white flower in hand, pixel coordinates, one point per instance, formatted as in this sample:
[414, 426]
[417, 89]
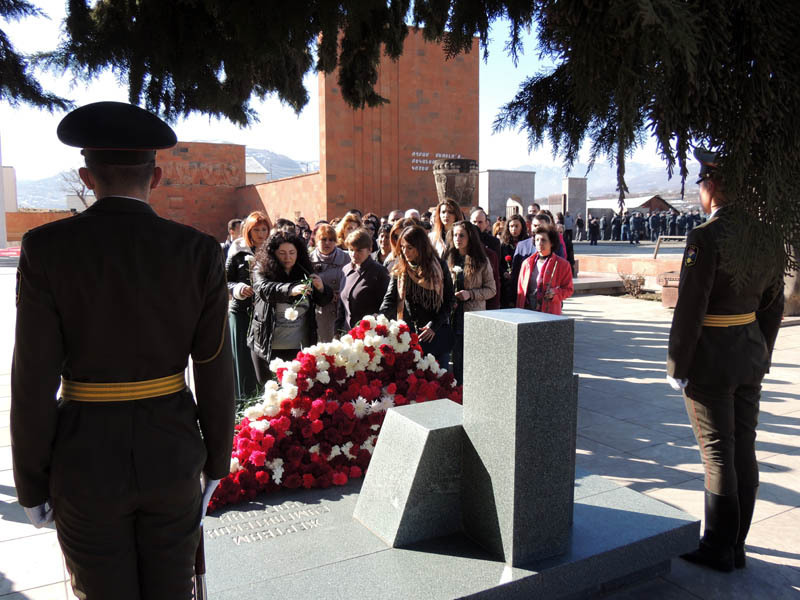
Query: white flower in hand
[291, 314]
[250, 259]
[457, 270]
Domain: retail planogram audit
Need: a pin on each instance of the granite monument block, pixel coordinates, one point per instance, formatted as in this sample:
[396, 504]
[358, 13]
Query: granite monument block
[412, 489]
[520, 419]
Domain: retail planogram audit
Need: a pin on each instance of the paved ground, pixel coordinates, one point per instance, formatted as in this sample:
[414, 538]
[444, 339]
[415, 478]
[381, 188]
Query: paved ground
[632, 429]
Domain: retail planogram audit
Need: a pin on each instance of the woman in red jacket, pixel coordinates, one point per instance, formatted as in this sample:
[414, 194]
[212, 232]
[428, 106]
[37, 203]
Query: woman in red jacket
[545, 280]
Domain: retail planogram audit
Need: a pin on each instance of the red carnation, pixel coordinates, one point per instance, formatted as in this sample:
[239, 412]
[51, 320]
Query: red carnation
[262, 477]
[308, 481]
[331, 407]
[316, 425]
[306, 432]
[292, 481]
[364, 324]
[317, 408]
[382, 330]
[286, 405]
[258, 458]
[349, 410]
[295, 453]
[508, 258]
[391, 388]
[267, 443]
[339, 478]
[355, 472]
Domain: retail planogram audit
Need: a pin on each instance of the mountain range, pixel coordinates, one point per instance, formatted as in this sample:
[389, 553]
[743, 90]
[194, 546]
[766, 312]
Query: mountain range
[50, 193]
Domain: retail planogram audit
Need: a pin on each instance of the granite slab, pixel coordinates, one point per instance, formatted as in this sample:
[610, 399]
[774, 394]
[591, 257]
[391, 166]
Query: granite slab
[618, 535]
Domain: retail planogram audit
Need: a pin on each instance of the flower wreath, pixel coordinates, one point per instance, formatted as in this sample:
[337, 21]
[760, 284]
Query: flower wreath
[317, 425]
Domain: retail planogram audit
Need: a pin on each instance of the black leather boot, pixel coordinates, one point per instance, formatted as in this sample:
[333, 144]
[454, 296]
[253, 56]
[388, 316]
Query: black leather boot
[721, 532]
[747, 503]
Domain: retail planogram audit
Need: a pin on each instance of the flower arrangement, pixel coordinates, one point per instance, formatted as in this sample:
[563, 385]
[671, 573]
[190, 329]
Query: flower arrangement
[317, 425]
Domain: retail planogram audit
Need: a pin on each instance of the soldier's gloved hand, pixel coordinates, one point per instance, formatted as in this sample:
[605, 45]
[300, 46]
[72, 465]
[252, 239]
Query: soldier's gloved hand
[208, 486]
[40, 515]
[677, 384]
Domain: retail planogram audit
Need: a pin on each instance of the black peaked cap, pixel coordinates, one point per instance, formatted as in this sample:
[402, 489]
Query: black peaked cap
[115, 127]
[709, 161]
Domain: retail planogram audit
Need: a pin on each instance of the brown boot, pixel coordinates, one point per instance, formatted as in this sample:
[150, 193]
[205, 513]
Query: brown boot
[716, 548]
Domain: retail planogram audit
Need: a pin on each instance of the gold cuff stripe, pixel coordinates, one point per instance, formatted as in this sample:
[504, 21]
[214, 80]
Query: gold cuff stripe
[728, 320]
[219, 348]
[80, 391]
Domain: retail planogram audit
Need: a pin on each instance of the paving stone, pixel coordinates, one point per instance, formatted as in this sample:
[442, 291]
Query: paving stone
[30, 562]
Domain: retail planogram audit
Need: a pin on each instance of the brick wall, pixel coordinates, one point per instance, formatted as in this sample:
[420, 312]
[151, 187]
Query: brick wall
[199, 185]
[17, 223]
[378, 159]
[287, 197]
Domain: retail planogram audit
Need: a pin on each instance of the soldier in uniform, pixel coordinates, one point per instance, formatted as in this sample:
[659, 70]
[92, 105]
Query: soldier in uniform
[111, 304]
[720, 347]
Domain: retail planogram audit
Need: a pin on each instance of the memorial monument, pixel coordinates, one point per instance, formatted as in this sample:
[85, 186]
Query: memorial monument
[481, 501]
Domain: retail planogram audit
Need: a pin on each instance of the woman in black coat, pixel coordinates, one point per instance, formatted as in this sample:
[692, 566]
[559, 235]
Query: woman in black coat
[286, 293]
[421, 293]
[514, 231]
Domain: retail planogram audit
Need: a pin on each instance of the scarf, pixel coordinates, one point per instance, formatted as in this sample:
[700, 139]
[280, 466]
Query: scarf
[425, 292]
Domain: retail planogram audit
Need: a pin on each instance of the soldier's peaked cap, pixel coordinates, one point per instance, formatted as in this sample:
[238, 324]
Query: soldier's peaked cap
[709, 161]
[115, 133]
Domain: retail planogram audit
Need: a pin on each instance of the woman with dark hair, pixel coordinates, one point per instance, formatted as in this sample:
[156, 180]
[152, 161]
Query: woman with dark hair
[447, 213]
[514, 231]
[394, 236]
[328, 261]
[473, 281]
[545, 279]
[384, 244]
[283, 310]
[421, 293]
[238, 271]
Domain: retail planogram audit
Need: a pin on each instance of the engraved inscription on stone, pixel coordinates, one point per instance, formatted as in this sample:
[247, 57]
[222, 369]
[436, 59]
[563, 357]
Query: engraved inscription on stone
[269, 523]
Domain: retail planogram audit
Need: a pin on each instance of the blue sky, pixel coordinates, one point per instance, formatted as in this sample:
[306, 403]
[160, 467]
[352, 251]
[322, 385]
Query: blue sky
[28, 141]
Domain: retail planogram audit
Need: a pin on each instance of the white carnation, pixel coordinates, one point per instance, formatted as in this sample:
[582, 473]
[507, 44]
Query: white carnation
[314, 449]
[323, 377]
[360, 406]
[335, 451]
[346, 450]
[275, 364]
[261, 426]
[254, 412]
[234, 465]
[298, 412]
[291, 314]
[290, 377]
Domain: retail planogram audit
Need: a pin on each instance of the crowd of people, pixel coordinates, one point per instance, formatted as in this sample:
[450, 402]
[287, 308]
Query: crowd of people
[633, 227]
[292, 285]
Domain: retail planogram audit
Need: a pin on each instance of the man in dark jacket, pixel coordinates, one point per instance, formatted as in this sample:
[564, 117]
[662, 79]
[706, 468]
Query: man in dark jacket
[492, 246]
[111, 303]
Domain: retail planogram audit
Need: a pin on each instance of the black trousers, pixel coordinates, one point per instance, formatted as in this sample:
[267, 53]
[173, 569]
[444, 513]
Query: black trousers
[724, 421]
[137, 547]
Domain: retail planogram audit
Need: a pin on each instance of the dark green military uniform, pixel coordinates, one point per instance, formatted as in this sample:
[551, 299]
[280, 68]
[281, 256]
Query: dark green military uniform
[112, 300]
[721, 341]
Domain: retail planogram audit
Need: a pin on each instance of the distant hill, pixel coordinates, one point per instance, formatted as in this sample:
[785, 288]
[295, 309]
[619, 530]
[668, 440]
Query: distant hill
[602, 179]
[51, 193]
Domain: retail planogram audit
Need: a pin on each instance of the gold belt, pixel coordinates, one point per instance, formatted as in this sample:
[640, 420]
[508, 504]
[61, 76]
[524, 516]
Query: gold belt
[80, 391]
[728, 320]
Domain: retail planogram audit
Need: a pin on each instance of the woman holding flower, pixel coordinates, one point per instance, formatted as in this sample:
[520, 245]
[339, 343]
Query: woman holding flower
[286, 294]
[421, 293]
[328, 262]
[473, 280]
[514, 231]
[545, 279]
[239, 268]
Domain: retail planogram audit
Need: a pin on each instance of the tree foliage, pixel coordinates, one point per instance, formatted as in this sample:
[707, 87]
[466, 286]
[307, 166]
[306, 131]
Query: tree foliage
[16, 82]
[721, 73]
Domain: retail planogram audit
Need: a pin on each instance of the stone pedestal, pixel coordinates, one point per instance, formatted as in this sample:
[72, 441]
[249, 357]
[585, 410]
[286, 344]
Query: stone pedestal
[520, 418]
[412, 489]
[456, 178]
